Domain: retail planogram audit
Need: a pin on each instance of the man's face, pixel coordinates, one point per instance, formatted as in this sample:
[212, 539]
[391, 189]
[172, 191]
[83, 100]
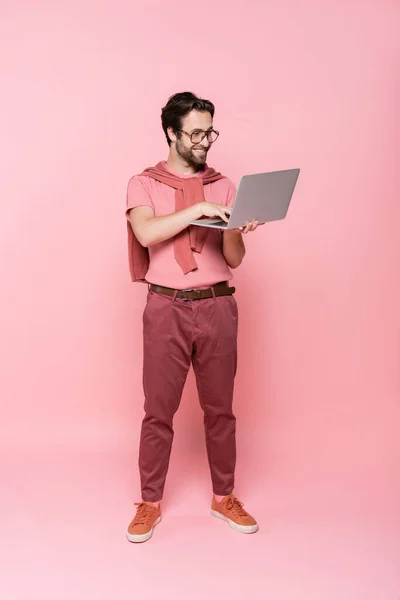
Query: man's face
[194, 154]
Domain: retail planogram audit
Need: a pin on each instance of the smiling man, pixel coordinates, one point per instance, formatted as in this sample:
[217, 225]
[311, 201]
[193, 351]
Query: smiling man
[191, 315]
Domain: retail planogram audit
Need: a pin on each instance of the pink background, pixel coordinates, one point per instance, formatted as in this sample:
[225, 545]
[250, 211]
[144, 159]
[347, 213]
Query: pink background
[298, 83]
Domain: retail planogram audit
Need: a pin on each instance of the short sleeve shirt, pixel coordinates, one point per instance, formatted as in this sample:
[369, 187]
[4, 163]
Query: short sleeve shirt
[164, 269]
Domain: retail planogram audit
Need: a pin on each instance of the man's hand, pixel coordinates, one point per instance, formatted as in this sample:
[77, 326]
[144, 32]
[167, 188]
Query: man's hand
[217, 211]
[250, 226]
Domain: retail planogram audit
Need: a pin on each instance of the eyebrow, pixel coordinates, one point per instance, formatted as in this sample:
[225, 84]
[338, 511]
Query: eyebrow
[198, 129]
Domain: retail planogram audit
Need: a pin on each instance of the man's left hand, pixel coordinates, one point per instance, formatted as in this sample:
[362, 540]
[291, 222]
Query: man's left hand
[250, 226]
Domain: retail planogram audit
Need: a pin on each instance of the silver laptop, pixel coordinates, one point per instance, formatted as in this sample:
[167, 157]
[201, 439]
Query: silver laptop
[261, 197]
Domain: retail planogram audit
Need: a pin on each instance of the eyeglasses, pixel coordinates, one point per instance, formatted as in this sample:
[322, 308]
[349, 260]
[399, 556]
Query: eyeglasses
[198, 135]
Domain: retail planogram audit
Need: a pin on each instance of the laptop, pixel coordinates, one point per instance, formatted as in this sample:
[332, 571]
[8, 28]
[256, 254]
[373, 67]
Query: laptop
[261, 197]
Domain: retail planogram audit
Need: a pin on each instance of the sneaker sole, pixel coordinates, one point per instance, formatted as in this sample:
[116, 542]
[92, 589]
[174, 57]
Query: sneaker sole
[139, 539]
[235, 526]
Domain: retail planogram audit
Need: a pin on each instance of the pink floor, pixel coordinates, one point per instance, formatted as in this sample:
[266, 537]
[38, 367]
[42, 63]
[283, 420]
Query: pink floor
[66, 514]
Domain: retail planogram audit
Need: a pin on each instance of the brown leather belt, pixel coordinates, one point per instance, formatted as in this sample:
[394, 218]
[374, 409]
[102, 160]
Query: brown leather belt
[220, 289]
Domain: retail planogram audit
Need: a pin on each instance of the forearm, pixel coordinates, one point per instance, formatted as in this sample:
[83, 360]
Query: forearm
[233, 248]
[158, 229]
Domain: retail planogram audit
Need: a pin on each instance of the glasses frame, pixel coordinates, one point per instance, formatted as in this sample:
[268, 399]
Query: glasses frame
[205, 134]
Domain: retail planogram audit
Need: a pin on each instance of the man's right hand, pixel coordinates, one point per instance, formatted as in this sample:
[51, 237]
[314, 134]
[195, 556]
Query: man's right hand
[151, 230]
[217, 211]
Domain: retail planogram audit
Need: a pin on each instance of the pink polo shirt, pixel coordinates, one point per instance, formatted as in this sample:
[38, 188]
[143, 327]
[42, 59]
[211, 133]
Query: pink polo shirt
[164, 270]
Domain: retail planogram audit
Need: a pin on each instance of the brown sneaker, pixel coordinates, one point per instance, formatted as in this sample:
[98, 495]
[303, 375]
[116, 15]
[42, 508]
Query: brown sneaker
[232, 511]
[141, 528]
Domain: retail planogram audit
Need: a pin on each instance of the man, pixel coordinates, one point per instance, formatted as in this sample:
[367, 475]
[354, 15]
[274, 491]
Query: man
[191, 314]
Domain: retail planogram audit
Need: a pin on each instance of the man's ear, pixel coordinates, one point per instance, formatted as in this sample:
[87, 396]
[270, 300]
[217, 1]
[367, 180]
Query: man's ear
[171, 134]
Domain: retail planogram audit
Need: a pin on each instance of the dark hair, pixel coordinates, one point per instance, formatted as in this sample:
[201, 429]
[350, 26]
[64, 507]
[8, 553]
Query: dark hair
[179, 106]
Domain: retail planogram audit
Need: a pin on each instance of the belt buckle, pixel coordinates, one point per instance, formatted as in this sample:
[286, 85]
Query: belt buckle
[183, 292]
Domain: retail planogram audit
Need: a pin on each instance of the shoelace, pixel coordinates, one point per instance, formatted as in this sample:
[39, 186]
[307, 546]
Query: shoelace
[143, 513]
[234, 505]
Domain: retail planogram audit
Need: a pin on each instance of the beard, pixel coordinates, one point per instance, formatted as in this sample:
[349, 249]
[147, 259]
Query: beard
[191, 158]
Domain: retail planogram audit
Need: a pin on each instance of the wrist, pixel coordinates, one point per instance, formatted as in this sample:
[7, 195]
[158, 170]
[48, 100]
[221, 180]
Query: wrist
[196, 211]
[233, 233]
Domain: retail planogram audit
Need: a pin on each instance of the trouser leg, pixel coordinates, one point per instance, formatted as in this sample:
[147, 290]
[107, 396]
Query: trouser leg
[214, 363]
[167, 333]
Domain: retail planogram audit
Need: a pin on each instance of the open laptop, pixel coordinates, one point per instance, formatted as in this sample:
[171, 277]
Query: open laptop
[261, 197]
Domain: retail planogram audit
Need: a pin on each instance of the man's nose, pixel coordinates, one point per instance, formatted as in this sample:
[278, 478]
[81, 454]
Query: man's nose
[205, 143]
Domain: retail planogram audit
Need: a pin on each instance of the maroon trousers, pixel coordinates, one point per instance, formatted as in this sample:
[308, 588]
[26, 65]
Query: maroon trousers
[178, 333]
